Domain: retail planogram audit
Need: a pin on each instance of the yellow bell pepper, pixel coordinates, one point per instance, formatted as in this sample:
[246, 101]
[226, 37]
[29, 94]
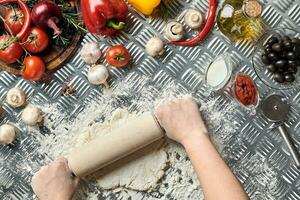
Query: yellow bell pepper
[145, 6]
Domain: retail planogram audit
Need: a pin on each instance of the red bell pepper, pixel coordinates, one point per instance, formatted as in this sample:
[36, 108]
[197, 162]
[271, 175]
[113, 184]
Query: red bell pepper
[104, 17]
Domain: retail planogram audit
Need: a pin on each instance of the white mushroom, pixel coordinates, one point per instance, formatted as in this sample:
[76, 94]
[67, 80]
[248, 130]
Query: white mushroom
[193, 18]
[98, 74]
[15, 97]
[90, 53]
[155, 47]
[174, 31]
[31, 115]
[7, 134]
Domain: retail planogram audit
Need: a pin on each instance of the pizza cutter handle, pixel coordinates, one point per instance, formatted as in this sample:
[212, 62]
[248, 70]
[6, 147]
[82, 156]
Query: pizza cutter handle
[288, 140]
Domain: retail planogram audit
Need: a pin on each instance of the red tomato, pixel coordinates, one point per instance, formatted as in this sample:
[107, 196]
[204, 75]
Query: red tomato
[117, 56]
[10, 51]
[14, 20]
[37, 40]
[34, 68]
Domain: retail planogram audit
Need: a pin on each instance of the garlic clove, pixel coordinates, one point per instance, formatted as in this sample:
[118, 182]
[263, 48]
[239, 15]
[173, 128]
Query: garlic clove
[174, 31]
[193, 18]
[98, 74]
[155, 47]
[15, 97]
[32, 115]
[7, 134]
[90, 53]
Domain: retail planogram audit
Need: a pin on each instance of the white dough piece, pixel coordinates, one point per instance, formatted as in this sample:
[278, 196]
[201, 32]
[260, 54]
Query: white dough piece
[141, 174]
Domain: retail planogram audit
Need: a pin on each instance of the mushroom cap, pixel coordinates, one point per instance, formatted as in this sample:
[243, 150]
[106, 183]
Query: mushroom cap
[193, 18]
[7, 134]
[155, 47]
[31, 115]
[174, 31]
[15, 97]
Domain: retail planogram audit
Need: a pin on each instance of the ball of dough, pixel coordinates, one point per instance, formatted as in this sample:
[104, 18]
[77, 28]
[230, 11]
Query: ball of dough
[7, 134]
[31, 115]
[15, 97]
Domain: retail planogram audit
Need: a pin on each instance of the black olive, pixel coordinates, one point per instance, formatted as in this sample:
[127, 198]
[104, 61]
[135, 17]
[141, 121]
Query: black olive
[265, 60]
[268, 50]
[289, 77]
[288, 45]
[279, 78]
[272, 68]
[296, 50]
[281, 64]
[292, 70]
[277, 47]
[296, 41]
[272, 40]
[286, 38]
[291, 55]
[273, 56]
[284, 54]
[292, 63]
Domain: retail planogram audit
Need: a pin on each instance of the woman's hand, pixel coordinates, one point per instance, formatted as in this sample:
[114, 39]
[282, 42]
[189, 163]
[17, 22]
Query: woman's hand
[181, 120]
[55, 181]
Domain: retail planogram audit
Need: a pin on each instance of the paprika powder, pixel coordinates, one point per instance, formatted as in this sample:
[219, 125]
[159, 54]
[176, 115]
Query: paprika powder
[245, 90]
[104, 17]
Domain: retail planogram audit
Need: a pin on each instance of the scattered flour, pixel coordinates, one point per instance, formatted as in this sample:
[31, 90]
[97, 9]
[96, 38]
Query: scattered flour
[179, 180]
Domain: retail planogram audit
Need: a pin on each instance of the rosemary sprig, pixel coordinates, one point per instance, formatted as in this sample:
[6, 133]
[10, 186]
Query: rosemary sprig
[72, 20]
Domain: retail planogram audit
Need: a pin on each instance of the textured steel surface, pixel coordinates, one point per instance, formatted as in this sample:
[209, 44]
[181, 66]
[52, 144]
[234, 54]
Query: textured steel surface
[255, 141]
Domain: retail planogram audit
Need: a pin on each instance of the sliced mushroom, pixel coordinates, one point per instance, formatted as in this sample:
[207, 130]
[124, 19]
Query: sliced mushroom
[174, 31]
[155, 47]
[193, 18]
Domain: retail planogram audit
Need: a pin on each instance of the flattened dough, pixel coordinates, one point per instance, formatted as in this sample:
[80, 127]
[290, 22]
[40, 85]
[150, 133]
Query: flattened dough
[141, 174]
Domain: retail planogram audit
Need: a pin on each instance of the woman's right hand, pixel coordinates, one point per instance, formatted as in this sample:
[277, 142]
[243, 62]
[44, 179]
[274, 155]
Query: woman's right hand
[181, 120]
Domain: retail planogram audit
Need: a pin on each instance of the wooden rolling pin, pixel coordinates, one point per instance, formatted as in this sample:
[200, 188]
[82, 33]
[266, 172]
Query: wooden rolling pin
[121, 142]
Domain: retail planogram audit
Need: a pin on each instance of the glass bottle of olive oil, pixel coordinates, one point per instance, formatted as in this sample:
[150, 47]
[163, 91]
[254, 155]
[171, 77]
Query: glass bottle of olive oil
[234, 22]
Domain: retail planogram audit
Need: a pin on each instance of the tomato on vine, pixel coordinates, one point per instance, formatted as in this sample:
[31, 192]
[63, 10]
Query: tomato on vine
[37, 40]
[34, 68]
[10, 50]
[14, 20]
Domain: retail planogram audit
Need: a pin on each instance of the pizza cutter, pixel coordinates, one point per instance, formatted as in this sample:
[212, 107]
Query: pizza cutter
[276, 110]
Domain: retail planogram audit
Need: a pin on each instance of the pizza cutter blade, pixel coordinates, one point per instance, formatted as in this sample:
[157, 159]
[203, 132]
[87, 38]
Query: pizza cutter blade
[276, 110]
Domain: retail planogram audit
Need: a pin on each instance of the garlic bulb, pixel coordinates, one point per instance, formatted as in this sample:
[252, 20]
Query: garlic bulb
[90, 53]
[7, 134]
[31, 115]
[174, 31]
[155, 47]
[15, 97]
[98, 74]
[193, 18]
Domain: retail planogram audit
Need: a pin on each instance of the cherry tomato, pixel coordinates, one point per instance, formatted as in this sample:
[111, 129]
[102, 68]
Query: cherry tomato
[10, 51]
[37, 40]
[14, 20]
[34, 68]
[117, 56]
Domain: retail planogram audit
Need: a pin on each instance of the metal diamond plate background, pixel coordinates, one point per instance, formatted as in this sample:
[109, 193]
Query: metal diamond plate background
[253, 145]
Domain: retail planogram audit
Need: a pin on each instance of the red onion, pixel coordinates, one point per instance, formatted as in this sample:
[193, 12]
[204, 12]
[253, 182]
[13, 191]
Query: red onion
[46, 14]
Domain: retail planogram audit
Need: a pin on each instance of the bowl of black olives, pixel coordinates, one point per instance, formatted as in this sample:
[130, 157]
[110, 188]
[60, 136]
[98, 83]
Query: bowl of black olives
[276, 59]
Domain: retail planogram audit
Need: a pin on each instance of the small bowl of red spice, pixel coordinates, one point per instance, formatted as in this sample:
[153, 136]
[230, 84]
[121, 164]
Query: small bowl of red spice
[244, 90]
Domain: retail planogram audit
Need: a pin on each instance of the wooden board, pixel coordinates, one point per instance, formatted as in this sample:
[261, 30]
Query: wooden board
[54, 56]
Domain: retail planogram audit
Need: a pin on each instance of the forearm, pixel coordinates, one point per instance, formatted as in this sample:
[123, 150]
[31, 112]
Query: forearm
[217, 180]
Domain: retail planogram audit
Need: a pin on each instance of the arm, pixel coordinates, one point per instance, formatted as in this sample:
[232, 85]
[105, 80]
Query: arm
[183, 123]
[54, 181]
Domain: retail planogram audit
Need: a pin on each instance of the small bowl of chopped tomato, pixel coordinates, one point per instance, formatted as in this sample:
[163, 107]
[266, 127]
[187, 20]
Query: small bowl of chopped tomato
[244, 90]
